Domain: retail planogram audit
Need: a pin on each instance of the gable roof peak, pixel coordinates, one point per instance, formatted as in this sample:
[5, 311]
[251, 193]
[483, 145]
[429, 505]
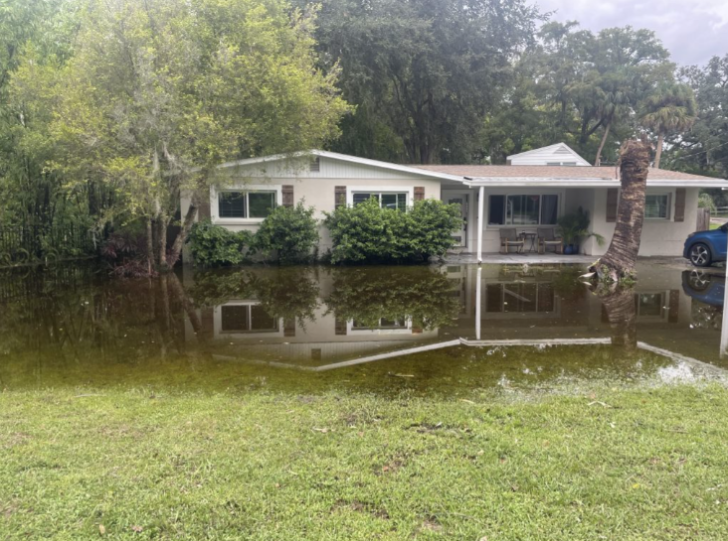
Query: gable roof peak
[557, 150]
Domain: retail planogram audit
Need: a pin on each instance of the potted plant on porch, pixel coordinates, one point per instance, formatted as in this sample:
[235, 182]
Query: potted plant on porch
[574, 229]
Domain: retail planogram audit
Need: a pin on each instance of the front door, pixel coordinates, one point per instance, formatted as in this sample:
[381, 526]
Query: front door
[463, 201]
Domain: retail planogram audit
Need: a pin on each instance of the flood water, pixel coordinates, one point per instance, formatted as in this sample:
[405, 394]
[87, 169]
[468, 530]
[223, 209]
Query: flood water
[450, 329]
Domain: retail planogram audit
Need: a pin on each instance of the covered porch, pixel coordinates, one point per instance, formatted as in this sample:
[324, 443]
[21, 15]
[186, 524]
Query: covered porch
[490, 205]
[492, 210]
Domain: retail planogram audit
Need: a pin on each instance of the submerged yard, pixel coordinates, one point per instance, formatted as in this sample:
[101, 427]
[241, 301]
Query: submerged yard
[496, 403]
[133, 464]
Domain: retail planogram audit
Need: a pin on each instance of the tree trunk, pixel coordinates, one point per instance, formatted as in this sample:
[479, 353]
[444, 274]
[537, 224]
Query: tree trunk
[619, 261]
[658, 151]
[620, 307]
[598, 161]
[162, 242]
[179, 242]
[150, 246]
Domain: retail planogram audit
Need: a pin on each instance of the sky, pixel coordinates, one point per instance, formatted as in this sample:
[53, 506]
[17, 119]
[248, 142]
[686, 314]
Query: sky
[692, 30]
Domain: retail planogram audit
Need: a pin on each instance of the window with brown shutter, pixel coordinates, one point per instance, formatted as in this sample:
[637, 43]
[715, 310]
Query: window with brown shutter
[339, 196]
[612, 202]
[287, 196]
[680, 195]
[419, 193]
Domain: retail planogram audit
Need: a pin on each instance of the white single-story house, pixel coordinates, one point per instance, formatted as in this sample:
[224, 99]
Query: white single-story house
[533, 190]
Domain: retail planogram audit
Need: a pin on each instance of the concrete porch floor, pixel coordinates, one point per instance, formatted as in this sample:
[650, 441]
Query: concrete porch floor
[532, 258]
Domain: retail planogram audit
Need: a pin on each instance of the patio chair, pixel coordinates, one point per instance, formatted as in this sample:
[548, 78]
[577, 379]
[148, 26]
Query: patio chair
[508, 238]
[547, 238]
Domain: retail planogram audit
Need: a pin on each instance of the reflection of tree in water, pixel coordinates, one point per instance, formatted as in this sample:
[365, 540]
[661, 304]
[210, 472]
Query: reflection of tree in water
[283, 293]
[619, 303]
[62, 318]
[369, 295]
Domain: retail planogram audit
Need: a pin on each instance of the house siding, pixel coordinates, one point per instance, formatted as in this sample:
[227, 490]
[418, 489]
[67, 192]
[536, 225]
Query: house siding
[315, 189]
[659, 237]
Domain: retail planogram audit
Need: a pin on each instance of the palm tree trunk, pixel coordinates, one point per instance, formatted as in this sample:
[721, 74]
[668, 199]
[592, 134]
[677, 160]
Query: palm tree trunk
[619, 261]
[658, 152]
[619, 305]
[598, 161]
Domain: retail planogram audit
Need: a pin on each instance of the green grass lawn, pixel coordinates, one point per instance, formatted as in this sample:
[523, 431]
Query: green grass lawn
[255, 464]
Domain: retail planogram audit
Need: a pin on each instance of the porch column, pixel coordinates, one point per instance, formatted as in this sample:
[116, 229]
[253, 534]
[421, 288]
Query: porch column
[481, 206]
[478, 302]
[724, 328]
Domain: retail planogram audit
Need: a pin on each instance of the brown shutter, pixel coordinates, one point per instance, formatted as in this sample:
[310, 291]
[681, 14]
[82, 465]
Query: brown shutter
[680, 194]
[612, 201]
[419, 193]
[287, 196]
[289, 327]
[674, 311]
[339, 196]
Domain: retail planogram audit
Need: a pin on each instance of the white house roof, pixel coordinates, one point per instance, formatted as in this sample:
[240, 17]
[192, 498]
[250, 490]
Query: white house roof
[441, 175]
[558, 153]
[552, 175]
[507, 175]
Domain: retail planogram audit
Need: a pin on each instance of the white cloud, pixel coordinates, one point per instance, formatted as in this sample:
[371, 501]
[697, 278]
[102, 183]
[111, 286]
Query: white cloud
[693, 32]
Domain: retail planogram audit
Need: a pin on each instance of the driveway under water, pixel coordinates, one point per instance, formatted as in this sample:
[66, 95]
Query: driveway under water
[447, 329]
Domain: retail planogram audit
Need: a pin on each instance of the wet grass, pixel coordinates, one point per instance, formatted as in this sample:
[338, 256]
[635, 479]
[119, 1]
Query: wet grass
[85, 463]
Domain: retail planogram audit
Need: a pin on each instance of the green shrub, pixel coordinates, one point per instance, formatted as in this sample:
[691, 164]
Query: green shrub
[215, 246]
[367, 233]
[287, 235]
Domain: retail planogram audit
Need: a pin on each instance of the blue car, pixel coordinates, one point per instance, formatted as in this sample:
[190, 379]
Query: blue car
[706, 288]
[704, 248]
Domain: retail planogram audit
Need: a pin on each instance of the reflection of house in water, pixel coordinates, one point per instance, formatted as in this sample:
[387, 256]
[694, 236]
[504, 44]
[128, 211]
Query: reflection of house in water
[246, 328]
[510, 305]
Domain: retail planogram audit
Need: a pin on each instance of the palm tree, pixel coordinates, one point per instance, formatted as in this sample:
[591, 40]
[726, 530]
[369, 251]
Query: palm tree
[618, 263]
[671, 109]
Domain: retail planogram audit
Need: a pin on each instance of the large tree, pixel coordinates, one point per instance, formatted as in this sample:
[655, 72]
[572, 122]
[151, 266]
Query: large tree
[583, 88]
[159, 92]
[670, 109]
[704, 149]
[35, 40]
[424, 72]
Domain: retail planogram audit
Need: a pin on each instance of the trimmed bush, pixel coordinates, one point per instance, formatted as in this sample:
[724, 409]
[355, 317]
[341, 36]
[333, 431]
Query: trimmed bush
[287, 235]
[367, 233]
[215, 246]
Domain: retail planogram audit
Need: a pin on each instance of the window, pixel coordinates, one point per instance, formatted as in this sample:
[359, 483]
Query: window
[523, 209]
[395, 201]
[383, 323]
[241, 319]
[656, 206]
[520, 298]
[315, 165]
[567, 164]
[246, 204]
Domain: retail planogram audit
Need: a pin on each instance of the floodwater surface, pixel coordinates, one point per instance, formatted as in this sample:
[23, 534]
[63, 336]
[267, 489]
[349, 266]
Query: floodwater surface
[450, 329]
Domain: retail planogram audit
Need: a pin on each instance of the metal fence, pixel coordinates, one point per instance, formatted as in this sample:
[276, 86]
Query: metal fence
[31, 243]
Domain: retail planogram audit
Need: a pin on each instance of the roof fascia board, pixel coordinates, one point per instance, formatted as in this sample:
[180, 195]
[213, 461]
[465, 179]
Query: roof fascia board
[344, 158]
[524, 182]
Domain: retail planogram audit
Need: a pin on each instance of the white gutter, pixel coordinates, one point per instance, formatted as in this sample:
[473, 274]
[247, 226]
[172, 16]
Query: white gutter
[502, 182]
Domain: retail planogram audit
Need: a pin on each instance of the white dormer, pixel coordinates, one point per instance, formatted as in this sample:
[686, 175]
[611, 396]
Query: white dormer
[558, 154]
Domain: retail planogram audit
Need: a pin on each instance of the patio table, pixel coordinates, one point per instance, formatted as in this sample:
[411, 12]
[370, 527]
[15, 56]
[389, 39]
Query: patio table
[530, 235]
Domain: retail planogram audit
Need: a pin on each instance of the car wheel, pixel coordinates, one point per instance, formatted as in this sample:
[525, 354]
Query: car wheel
[700, 255]
[699, 280]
